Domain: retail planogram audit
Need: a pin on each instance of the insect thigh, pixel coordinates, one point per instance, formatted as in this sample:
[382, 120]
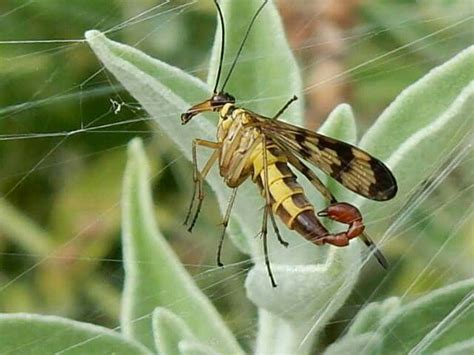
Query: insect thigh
[198, 178]
[235, 159]
[224, 225]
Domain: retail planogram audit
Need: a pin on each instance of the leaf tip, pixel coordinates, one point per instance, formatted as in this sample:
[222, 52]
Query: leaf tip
[343, 110]
[341, 124]
[91, 35]
[135, 146]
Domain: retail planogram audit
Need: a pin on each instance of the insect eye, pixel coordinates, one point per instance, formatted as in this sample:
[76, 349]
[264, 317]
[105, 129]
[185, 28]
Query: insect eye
[216, 100]
[222, 98]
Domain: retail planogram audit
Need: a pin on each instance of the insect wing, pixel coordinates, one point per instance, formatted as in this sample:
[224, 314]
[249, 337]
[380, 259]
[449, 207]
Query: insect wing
[352, 167]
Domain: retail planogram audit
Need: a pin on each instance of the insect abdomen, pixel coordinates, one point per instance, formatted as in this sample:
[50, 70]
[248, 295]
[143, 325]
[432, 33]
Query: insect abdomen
[287, 196]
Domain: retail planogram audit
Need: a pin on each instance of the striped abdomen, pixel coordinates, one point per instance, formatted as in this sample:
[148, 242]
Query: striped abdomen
[287, 196]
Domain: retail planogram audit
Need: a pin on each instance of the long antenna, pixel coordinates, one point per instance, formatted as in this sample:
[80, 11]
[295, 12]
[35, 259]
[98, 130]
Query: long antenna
[243, 42]
[221, 56]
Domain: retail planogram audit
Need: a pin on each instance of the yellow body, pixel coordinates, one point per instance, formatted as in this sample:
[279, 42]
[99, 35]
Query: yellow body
[242, 156]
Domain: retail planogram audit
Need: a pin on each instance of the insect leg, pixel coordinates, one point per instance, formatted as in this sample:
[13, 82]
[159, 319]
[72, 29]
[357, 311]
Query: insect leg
[200, 181]
[267, 210]
[224, 224]
[276, 230]
[265, 251]
[198, 177]
[196, 174]
[283, 109]
[268, 198]
[263, 234]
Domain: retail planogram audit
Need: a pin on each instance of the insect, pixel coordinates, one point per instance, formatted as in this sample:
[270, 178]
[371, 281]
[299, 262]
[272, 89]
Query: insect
[251, 145]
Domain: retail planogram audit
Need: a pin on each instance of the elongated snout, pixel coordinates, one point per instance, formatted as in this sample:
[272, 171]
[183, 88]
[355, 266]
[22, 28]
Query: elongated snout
[195, 110]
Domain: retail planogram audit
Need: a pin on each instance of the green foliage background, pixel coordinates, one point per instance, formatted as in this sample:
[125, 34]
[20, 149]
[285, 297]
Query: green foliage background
[61, 193]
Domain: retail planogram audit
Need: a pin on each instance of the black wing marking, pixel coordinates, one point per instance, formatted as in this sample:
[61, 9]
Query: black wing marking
[352, 167]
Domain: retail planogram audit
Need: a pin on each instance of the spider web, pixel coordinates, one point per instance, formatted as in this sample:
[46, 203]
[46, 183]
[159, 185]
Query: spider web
[65, 123]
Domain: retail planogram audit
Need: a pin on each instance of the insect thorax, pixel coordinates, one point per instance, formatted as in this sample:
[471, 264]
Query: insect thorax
[238, 140]
[232, 119]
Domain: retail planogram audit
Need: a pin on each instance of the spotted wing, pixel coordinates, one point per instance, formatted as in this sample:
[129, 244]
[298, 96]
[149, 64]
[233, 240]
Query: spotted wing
[352, 167]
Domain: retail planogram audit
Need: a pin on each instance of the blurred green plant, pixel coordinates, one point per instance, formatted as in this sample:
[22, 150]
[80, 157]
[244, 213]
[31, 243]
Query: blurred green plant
[66, 276]
[53, 222]
[164, 310]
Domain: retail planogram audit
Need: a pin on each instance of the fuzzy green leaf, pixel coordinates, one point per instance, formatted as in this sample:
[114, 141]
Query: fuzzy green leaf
[367, 344]
[154, 275]
[187, 347]
[418, 106]
[437, 320]
[461, 348]
[418, 132]
[34, 334]
[169, 330]
[370, 317]
[341, 124]
[404, 142]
